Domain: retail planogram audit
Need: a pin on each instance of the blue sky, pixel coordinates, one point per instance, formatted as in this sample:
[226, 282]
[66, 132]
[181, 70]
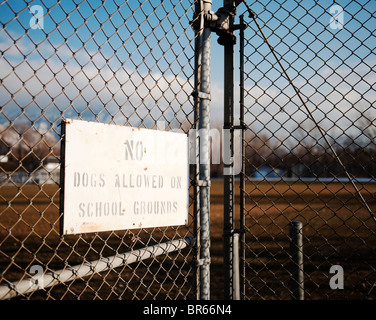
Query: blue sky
[92, 53]
[144, 54]
[334, 69]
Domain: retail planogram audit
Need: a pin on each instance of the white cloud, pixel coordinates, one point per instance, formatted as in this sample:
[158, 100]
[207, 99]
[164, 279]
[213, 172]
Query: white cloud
[70, 80]
[77, 83]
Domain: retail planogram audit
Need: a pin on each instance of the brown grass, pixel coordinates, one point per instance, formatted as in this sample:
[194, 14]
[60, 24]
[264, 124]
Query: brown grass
[337, 230]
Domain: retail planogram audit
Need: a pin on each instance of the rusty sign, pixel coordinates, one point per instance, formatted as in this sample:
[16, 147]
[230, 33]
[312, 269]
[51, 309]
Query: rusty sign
[116, 177]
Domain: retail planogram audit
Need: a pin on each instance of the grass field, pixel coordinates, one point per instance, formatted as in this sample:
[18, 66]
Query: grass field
[336, 227]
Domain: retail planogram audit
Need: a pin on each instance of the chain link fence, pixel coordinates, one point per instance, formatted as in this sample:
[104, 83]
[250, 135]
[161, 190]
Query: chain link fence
[120, 62]
[314, 163]
[308, 140]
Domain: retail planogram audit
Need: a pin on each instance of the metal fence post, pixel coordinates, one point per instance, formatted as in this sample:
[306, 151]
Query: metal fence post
[228, 150]
[242, 172]
[296, 266]
[197, 27]
[204, 149]
[236, 270]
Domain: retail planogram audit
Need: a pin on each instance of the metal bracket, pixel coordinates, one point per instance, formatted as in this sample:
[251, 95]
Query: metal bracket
[223, 24]
[220, 22]
[229, 233]
[201, 183]
[235, 127]
[201, 95]
[203, 262]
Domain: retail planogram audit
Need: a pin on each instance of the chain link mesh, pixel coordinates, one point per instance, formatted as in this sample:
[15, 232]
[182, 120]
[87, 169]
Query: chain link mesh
[291, 173]
[132, 63]
[121, 62]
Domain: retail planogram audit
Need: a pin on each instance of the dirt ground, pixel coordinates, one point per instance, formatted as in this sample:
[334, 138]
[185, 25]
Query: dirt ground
[337, 230]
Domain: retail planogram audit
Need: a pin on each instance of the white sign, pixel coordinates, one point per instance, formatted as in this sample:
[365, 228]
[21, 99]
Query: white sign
[117, 177]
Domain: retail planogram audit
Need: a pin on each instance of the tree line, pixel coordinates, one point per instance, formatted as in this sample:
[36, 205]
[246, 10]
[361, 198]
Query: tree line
[27, 147]
[304, 153]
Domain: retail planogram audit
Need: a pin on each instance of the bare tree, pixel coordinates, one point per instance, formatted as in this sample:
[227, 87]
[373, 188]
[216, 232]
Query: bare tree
[367, 124]
[25, 145]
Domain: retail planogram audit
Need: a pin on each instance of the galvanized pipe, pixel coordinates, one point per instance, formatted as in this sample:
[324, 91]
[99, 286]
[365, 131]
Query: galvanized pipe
[204, 166]
[236, 270]
[296, 265]
[228, 154]
[242, 172]
[52, 278]
[228, 179]
[198, 28]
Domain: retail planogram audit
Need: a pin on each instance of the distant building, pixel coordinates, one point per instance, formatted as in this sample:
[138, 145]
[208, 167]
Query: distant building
[13, 174]
[6, 166]
[49, 173]
[267, 172]
[299, 170]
